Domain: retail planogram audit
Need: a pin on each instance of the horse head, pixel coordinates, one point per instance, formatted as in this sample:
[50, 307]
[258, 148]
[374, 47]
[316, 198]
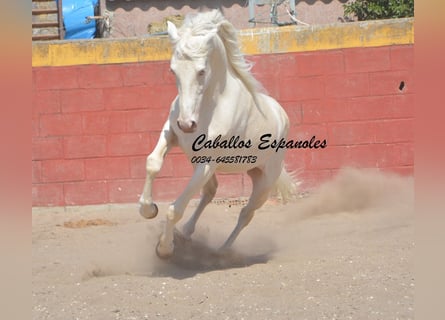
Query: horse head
[193, 64]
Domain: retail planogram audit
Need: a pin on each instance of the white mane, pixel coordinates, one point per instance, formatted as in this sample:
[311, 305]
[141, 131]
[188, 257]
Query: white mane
[213, 22]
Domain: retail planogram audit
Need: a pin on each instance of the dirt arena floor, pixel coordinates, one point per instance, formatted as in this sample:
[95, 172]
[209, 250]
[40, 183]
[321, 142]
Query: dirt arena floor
[343, 252]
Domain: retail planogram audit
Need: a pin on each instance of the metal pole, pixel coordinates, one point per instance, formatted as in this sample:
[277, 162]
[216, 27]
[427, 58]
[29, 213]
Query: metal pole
[252, 13]
[292, 7]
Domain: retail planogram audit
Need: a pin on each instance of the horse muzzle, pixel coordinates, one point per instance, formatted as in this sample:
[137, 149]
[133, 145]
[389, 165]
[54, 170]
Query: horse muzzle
[188, 126]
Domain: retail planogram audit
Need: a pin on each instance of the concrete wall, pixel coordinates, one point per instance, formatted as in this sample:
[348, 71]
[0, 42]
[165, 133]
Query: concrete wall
[98, 107]
[131, 17]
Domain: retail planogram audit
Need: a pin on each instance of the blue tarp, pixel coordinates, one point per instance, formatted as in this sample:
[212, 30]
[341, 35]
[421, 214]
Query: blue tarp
[74, 18]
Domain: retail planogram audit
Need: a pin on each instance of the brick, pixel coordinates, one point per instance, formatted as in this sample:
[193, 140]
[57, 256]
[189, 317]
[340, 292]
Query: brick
[294, 112]
[85, 146]
[47, 195]
[47, 148]
[126, 98]
[60, 124]
[138, 167]
[33, 78]
[398, 130]
[169, 189]
[295, 159]
[333, 62]
[85, 192]
[398, 154]
[269, 85]
[160, 96]
[103, 122]
[36, 172]
[402, 57]
[46, 101]
[265, 65]
[131, 144]
[406, 153]
[388, 82]
[146, 120]
[350, 133]
[358, 108]
[167, 77]
[181, 165]
[125, 191]
[173, 150]
[306, 131]
[100, 76]
[287, 65]
[367, 59]
[367, 156]
[107, 168]
[348, 85]
[79, 100]
[35, 126]
[334, 157]
[333, 110]
[311, 63]
[381, 107]
[402, 171]
[147, 73]
[62, 170]
[311, 179]
[316, 111]
[298, 89]
[51, 78]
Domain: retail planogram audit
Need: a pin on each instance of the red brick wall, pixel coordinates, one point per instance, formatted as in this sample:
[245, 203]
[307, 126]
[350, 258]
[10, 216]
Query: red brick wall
[94, 125]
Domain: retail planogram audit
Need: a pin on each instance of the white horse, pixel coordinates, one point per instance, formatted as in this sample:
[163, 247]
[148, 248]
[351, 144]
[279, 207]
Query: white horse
[218, 119]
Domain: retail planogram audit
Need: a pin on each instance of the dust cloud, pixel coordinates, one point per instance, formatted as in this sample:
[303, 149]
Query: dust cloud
[127, 247]
[359, 190]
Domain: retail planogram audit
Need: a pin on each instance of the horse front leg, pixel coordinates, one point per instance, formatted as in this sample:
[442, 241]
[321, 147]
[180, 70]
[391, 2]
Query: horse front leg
[167, 139]
[202, 174]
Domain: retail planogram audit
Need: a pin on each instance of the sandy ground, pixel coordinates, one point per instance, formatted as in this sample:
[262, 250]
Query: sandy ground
[343, 252]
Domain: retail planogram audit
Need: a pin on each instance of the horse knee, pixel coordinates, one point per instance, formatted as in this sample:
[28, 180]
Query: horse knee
[173, 214]
[153, 164]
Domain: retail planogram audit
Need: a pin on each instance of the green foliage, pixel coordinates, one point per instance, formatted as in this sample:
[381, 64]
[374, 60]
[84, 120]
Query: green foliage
[380, 9]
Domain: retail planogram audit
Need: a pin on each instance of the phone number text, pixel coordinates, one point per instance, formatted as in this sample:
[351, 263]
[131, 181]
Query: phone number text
[224, 159]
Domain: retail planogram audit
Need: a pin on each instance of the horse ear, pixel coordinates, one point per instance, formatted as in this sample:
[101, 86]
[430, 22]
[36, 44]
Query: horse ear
[172, 32]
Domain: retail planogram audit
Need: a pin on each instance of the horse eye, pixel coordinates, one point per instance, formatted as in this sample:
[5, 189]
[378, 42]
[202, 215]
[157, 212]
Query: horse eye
[171, 70]
[201, 72]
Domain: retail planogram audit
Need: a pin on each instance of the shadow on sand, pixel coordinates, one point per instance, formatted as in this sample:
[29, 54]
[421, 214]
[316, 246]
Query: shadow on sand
[193, 257]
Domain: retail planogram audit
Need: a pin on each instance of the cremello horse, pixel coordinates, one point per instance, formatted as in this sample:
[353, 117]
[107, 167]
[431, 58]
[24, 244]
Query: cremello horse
[218, 119]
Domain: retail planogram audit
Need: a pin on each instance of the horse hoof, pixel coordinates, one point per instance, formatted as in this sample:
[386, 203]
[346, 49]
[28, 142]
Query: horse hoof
[163, 254]
[148, 211]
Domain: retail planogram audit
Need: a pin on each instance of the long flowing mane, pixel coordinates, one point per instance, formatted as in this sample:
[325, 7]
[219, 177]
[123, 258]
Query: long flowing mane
[214, 21]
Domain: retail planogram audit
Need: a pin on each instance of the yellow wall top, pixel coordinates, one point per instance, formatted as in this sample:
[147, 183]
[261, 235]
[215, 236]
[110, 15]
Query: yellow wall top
[253, 41]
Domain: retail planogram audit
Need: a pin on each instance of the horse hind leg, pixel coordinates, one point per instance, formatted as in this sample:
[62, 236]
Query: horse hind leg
[208, 192]
[262, 185]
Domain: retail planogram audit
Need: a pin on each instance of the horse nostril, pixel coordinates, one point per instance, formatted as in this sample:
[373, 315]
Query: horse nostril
[193, 125]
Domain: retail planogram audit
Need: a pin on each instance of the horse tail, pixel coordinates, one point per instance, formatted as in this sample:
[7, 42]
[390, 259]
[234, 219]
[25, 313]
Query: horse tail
[287, 185]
